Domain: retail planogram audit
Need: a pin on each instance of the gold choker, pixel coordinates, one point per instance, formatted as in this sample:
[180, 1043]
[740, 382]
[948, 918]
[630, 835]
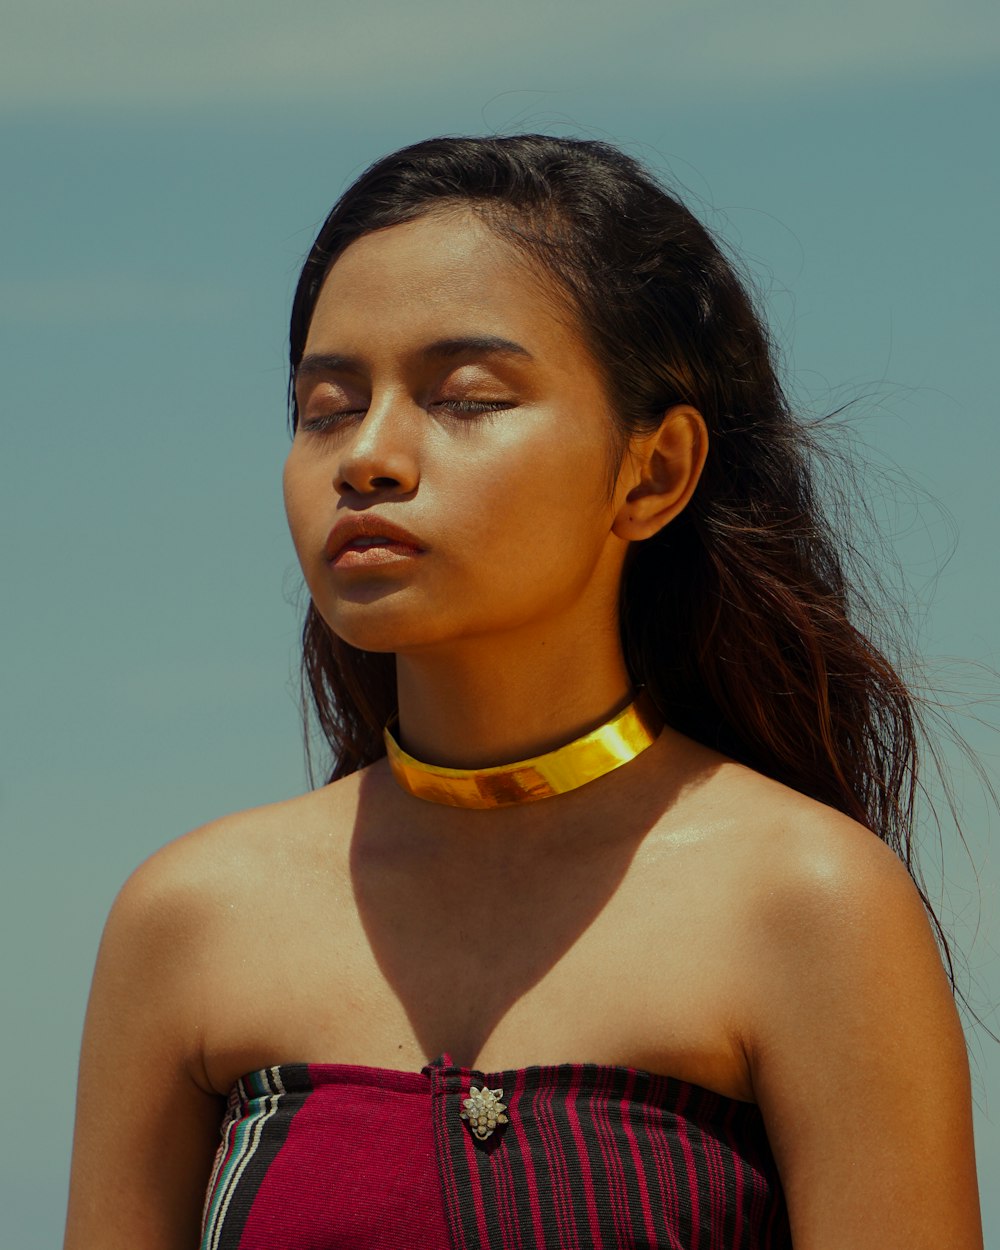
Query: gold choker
[605, 748]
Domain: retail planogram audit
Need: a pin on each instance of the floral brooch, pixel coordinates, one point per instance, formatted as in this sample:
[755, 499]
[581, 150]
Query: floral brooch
[483, 1110]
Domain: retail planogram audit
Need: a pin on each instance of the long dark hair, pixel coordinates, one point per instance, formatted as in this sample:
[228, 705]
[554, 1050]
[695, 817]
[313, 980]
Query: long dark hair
[738, 616]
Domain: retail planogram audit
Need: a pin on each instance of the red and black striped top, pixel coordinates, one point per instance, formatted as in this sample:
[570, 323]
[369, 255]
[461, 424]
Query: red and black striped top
[324, 1156]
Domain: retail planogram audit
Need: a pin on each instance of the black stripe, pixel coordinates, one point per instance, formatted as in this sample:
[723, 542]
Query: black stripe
[569, 1212]
[647, 1118]
[273, 1134]
[519, 1172]
[641, 1090]
[450, 1089]
[534, 1095]
[595, 1085]
[707, 1119]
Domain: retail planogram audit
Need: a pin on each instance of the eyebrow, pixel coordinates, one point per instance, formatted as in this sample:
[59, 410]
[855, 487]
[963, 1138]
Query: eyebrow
[441, 349]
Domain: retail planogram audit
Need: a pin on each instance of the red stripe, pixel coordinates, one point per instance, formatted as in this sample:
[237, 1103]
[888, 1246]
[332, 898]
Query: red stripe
[605, 1138]
[717, 1196]
[476, 1186]
[446, 1170]
[663, 1162]
[589, 1197]
[562, 1198]
[572, 1233]
[498, 1163]
[692, 1172]
[508, 1198]
[529, 1166]
[647, 1211]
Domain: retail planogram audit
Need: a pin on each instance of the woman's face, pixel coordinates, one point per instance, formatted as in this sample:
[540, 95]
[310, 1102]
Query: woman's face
[444, 389]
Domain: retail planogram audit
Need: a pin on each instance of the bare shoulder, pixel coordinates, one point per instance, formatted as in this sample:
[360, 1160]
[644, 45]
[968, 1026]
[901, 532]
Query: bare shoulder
[166, 956]
[853, 1042]
[247, 841]
[193, 883]
[806, 869]
[838, 929]
[816, 905]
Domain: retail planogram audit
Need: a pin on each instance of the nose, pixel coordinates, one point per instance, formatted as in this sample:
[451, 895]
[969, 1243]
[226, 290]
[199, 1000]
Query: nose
[381, 455]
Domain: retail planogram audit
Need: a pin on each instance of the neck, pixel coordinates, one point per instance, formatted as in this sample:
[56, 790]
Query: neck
[477, 707]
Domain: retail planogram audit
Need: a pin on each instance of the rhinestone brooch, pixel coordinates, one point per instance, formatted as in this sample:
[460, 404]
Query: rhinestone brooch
[483, 1110]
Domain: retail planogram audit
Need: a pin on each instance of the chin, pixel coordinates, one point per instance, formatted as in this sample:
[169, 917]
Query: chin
[371, 626]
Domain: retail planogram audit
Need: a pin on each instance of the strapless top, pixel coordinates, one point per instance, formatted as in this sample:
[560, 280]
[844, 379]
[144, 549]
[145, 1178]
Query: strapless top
[567, 1157]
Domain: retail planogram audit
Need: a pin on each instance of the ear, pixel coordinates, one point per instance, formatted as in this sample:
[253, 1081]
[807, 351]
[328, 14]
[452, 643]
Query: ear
[660, 472]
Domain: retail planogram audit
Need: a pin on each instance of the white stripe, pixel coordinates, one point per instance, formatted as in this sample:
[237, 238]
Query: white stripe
[211, 1235]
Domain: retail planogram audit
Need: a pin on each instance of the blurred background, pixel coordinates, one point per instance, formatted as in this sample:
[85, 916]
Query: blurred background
[164, 169]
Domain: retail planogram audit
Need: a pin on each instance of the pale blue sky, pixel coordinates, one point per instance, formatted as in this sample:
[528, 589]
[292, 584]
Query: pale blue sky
[165, 167]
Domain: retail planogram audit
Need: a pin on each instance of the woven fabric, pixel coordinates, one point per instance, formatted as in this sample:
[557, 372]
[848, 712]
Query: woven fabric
[338, 1157]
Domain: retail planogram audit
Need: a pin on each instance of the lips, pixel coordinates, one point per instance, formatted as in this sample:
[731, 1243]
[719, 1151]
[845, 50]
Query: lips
[366, 525]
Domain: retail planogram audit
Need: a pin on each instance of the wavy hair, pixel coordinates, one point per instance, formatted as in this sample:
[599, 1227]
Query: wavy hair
[738, 616]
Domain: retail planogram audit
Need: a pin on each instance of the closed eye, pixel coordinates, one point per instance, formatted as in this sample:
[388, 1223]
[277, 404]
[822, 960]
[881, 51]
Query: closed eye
[326, 421]
[461, 407]
[473, 405]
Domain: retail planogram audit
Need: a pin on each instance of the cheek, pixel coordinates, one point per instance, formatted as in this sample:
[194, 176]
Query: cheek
[298, 489]
[535, 516]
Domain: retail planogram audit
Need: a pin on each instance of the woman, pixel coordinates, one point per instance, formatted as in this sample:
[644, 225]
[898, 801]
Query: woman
[667, 983]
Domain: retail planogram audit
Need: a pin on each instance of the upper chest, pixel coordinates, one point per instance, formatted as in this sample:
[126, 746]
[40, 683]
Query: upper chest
[622, 951]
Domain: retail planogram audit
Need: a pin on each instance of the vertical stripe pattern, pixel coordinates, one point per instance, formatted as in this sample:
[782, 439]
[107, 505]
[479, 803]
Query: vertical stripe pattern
[606, 1157]
[257, 1120]
[593, 1157]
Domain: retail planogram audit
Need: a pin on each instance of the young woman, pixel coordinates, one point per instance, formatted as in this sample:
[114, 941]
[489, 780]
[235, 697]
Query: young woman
[602, 933]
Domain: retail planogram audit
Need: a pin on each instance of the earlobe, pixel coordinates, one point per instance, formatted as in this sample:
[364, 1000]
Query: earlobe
[661, 472]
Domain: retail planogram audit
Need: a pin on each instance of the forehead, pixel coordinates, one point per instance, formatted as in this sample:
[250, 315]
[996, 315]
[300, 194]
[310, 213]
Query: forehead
[442, 275]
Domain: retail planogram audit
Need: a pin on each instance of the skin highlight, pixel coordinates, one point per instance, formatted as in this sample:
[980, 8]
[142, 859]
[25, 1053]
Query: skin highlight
[525, 548]
[686, 915]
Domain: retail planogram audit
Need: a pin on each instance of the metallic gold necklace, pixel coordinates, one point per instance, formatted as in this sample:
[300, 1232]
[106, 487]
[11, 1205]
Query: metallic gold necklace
[627, 734]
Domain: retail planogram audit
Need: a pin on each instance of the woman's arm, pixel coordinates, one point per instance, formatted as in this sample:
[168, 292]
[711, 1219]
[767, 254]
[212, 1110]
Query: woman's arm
[147, 1124]
[858, 1056]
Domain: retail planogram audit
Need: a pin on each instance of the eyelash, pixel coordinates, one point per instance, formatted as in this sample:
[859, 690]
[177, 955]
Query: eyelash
[468, 406]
